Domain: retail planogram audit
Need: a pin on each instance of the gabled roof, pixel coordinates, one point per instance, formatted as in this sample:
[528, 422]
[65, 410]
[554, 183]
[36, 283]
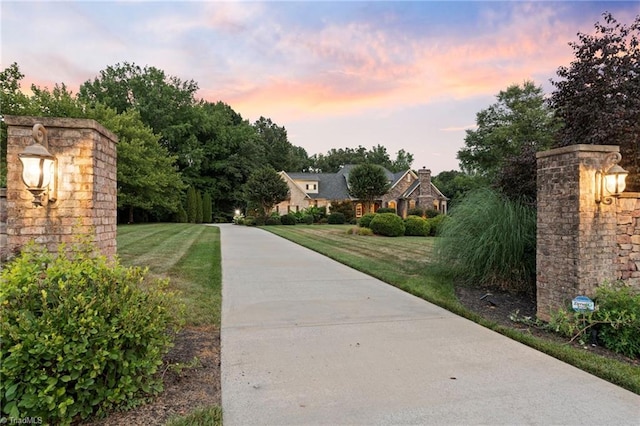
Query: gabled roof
[331, 186]
[334, 186]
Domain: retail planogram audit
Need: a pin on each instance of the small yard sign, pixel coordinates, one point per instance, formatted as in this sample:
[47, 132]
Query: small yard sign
[582, 304]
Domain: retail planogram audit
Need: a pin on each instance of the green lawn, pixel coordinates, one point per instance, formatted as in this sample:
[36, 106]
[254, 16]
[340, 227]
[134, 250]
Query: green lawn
[406, 263]
[189, 255]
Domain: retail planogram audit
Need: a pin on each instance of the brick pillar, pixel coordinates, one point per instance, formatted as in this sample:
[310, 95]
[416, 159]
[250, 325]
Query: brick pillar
[576, 237]
[3, 226]
[87, 191]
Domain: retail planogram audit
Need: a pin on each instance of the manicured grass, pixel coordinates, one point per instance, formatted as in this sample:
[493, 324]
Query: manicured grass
[189, 255]
[405, 262]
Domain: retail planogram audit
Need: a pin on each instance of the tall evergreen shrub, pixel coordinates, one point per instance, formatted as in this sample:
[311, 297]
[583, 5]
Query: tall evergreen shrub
[192, 205]
[207, 210]
[199, 207]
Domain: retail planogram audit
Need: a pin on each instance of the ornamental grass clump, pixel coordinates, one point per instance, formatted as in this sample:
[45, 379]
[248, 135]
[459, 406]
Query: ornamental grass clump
[80, 335]
[490, 241]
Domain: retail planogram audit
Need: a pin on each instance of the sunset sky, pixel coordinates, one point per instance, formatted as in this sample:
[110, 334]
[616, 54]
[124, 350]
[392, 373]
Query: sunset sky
[406, 75]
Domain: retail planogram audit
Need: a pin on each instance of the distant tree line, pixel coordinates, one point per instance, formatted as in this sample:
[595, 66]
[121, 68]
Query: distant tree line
[170, 142]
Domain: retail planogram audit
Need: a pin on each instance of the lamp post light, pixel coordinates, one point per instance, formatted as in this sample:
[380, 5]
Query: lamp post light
[610, 180]
[39, 168]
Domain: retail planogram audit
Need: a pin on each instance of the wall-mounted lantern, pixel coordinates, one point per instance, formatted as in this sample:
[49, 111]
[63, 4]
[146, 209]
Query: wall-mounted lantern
[39, 168]
[610, 179]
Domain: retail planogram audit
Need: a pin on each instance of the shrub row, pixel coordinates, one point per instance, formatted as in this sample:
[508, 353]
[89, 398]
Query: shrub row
[389, 224]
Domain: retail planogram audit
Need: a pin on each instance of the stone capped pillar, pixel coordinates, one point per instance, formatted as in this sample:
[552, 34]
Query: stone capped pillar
[576, 237]
[87, 193]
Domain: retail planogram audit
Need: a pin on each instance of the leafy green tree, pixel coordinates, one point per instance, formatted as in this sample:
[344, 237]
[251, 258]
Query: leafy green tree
[12, 102]
[367, 182]
[229, 151]
[207, 215]
[147, 178]
[520, 122]
[279, 152]
[164, 102]
[403, 161]
[455, 184]
[192, 205]
[265, 188]
[597, 94]
[335, 159]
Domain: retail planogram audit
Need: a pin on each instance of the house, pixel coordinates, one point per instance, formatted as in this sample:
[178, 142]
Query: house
[408, 190]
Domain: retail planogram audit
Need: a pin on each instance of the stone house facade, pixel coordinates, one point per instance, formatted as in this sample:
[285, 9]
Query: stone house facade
[408, 190]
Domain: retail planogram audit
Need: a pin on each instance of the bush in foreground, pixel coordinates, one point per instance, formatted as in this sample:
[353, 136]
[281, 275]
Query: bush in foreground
[616, 322]
[80, 335]
[387, 224]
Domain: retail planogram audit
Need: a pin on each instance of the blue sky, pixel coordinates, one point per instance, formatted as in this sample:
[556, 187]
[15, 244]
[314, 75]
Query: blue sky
[406, 75]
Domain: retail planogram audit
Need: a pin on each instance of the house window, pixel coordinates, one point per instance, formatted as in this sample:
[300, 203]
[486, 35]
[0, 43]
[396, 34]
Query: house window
[412, 204]
[392, 205]
[278, 209]
[297, 209]
[358, 210]
[312, 186]
[288, 209]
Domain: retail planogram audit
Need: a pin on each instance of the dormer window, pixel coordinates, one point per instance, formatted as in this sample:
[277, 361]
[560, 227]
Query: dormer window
[312, 186]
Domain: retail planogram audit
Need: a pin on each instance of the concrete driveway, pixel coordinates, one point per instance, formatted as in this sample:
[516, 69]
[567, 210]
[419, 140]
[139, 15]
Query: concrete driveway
[309, 341]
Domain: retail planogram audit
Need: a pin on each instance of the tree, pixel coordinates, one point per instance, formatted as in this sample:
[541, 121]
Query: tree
[207, 216]
[164, 102]
[192, 205]
[147, 178]
[520, 123]
[335, 159]
[367, 182]
[199, 208]
[279, 152]
[455, 184]
[266, 188]
[597, 96]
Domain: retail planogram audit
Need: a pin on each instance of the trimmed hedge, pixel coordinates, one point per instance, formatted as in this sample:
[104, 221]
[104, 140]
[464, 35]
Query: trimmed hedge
[388, 224]
[416, 226]
[386, 210]
[365, 220]
[273, 220]
[336, 218]
[416, 211]
[288, 219]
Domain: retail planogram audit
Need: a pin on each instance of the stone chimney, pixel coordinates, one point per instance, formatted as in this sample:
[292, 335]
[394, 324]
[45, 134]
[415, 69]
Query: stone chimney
[425, 197]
